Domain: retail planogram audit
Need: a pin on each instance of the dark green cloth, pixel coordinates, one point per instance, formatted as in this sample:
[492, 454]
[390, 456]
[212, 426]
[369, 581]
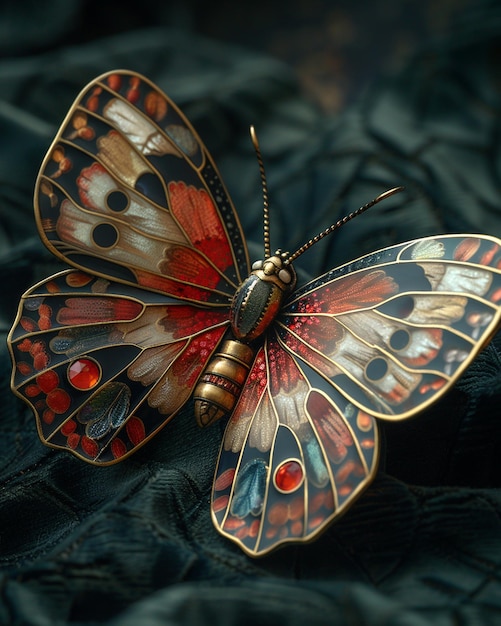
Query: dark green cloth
[133, 543]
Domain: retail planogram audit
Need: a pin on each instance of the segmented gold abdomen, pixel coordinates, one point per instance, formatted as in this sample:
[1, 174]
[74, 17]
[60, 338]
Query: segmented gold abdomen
[219, 387]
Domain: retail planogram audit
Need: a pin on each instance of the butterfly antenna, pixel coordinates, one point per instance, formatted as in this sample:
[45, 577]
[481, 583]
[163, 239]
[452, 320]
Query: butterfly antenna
[266, 211]
[341, 222]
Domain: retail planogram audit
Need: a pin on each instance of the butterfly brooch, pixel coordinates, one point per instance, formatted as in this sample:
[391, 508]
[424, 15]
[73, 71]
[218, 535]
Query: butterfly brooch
[162, 305]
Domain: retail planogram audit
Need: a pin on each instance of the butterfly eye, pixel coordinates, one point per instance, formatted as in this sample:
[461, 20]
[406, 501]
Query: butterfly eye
[257, 265]
[285, 276]
[105, 235]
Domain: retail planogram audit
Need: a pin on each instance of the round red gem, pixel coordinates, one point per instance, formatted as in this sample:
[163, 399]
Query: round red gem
[84, 374]
[289, 476]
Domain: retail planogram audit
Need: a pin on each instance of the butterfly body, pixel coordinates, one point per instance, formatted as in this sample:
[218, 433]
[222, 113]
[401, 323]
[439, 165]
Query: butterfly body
[254, 307]
[162, 306]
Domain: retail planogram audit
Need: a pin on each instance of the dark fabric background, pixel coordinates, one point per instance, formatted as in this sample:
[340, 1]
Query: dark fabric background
[133, 543]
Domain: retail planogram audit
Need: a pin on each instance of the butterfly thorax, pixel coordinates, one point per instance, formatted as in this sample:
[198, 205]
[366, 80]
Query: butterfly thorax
[259, 298]
[254, 307]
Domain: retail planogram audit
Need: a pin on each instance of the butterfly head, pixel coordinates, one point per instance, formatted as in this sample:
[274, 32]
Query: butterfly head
[277, 270]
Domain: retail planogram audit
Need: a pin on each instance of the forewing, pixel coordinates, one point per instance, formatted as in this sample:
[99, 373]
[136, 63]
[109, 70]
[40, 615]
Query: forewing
[104, 365]
[394, 330]
[292, 459]
[129, 192]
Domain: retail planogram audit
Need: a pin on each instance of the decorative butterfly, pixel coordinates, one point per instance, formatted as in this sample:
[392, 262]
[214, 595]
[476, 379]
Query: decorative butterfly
[162, 305]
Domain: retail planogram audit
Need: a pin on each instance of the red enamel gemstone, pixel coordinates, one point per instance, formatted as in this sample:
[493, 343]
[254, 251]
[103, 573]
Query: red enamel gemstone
[47, 381]
[84, 374]
[89, 446]
[289, 476]
[58, 400]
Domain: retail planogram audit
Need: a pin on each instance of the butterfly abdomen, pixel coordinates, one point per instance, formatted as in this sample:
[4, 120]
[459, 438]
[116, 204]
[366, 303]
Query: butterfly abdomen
[221, 383]
[255, 305]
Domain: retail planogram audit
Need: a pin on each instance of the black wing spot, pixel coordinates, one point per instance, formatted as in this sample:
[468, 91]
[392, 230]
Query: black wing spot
[117, 201]
[400, 340]
[376, 369]
[105, 235]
